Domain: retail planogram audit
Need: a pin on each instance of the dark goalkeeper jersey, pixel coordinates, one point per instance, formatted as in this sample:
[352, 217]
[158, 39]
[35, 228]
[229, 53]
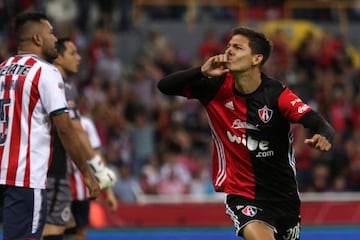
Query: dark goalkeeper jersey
[253, 154]
[58, 166]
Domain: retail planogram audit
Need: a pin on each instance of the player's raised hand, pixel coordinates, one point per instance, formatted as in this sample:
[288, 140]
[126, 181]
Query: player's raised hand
[215, 66]
[318, 141]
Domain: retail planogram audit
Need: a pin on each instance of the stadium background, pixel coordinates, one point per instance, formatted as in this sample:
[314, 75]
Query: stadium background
[160, 147]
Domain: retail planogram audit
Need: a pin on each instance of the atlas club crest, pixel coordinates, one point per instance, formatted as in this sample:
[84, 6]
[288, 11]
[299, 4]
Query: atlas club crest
[265, 114]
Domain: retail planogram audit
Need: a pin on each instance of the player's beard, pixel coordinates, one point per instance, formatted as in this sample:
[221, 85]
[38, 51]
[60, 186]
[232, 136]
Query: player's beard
[50, 54]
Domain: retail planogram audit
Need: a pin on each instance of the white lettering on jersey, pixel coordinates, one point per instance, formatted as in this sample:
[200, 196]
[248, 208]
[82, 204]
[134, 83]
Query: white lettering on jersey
[303, 108]
[293, 102]
[252, 144]
[238, 124]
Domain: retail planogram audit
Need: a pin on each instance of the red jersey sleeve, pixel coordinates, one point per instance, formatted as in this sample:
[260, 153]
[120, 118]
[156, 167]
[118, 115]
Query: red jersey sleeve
[291, 106]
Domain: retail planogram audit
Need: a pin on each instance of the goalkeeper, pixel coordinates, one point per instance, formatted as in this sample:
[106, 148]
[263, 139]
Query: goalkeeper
[59, 188]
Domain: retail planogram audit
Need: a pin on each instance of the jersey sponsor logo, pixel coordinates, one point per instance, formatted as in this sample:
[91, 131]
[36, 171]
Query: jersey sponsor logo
[302, 108]
[15, 69]
[238, 124]
[293, 102]
[252, 144]
[265, 114]
[230, 105]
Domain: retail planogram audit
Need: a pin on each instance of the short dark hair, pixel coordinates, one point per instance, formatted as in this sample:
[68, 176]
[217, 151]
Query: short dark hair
[60, 44]
[258, 42]
[21, 28]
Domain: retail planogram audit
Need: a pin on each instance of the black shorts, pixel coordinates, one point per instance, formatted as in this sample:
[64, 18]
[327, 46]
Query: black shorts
[59, 201]
[283, 217]
[80, 211]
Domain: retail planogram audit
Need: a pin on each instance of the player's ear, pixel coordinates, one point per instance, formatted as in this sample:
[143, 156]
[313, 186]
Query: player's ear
[257, 58]
[37, 39]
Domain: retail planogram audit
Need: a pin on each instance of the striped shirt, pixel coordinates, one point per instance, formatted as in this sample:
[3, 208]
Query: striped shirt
[31, 91]
[78, 186]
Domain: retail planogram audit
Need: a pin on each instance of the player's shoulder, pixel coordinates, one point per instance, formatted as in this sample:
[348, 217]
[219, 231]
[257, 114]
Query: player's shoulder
[45, 65]
[272, 83]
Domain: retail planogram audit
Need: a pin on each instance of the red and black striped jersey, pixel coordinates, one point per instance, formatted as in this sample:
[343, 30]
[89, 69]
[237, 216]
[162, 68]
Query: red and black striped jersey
[253, 153]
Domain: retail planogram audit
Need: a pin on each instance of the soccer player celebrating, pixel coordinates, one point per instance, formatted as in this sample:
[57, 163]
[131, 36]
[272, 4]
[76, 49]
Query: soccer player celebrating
[250, 115]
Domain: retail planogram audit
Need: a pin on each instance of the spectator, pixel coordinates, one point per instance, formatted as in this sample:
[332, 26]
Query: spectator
[126, 189]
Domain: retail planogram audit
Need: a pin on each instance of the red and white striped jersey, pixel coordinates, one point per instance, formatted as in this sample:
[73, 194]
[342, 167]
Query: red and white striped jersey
[78, 186]
[31, 91]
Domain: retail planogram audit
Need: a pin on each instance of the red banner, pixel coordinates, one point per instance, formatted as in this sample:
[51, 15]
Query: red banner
[213, 214]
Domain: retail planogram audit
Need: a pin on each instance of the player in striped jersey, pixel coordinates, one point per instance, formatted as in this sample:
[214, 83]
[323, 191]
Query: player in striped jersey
[250, 115]
[32, 103]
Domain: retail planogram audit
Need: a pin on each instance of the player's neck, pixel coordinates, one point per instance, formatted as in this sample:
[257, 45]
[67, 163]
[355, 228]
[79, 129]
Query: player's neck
[27, 49]
[61, 70]
[247, 82]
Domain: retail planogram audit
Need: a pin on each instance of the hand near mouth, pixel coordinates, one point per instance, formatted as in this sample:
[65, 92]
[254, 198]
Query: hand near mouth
[215, 66]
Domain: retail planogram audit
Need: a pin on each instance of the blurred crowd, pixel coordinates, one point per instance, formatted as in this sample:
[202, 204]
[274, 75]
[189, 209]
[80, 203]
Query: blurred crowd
[162, 145]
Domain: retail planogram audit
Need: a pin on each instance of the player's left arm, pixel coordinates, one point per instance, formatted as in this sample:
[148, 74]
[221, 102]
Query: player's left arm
[324, 132]
[297, 111]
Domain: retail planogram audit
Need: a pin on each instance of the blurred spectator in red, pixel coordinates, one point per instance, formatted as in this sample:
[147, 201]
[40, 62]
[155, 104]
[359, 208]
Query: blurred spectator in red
[303, 160]
[171, 184]
[330, 49]
[210, 44]
[352, 147]
[99, 39]
[280, 51]
[355, 113]
[174, 177]
[340, 108]
[102, 118]
[150, 175]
